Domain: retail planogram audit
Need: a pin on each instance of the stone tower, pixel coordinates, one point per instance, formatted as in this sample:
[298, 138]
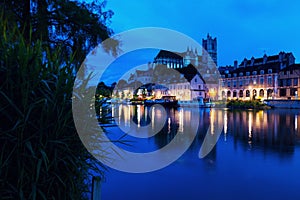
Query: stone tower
[209, 51]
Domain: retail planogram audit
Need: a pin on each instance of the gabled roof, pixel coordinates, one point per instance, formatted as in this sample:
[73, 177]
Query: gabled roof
[189, 72]
[168, 54]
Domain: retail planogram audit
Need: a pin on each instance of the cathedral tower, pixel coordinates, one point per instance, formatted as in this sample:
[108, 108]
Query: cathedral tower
[209, 48]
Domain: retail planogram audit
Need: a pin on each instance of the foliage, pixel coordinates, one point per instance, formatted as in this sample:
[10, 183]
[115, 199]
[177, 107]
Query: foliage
[251, 104]
[76, 27]
[41, 155]
[103, 90]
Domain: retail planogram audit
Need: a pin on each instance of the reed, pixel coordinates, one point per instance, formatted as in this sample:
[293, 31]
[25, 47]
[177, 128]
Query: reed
[41, 155]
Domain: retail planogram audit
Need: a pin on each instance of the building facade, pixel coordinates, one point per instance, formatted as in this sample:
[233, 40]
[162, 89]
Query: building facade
[257, 78]
[288, 82]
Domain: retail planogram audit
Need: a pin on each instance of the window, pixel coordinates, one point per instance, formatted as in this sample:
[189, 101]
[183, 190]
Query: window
[228, 83]
[234, 83]
[247, 82]
[262, 72]
[261, 93]
[254, 81]
[269, 93]
[200, 87]
[291, 72]
[223, 94]
[241, 93]
[284, 82]
[234, 93]
[254, 93]
[229, 75]
[269, 71]
[261, 80]
[241, 74]
[195, 80]
[241, 83]
[228, 94]
[269, 80]
[282, 92]
[234, 74]
[254, 72]
[247, 93]
[247, 73]
[295, 82]
[223, 83]
[293, 91]
[289, 82]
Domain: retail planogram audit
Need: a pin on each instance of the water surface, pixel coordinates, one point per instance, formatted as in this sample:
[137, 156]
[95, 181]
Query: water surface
[256, 156]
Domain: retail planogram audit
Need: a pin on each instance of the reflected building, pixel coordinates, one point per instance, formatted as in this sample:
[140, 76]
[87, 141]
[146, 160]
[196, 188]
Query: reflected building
[273, 129]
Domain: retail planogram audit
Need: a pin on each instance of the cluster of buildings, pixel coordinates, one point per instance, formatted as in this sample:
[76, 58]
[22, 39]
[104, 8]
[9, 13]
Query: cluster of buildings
[268, 77]
[189, 75]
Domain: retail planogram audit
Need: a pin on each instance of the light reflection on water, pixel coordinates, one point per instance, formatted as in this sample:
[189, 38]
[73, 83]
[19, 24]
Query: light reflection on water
[256, 157]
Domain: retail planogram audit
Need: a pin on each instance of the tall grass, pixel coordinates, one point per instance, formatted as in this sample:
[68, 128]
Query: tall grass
[41, 155]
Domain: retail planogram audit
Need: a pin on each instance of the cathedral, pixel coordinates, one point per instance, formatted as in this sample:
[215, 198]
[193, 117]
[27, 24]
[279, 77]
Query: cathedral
[208, 57]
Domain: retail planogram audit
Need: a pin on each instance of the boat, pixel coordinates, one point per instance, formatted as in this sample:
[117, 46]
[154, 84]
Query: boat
[165, 101]
[202, 103]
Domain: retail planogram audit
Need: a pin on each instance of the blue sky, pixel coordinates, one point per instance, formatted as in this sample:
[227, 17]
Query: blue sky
[244, 28]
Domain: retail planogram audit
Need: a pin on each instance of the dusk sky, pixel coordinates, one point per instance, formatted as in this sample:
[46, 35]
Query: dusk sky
[243, 28]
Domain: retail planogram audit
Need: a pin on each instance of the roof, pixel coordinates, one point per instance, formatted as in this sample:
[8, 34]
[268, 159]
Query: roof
[270, 59]
[168, 54]
[189, 72]
[292, 67]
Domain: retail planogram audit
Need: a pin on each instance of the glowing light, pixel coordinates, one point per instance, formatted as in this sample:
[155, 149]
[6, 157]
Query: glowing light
[169, 125]
[212, 120]
[152, 116]
[250, 123]
[180, 129]
[139, 115]
[225, 125]
[296, 122]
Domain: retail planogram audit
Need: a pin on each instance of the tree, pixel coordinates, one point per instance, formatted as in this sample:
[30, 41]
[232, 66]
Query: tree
[76, 27]
[42, 44]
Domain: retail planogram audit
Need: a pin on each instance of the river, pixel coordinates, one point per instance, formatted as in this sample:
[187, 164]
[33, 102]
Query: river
[256, 156]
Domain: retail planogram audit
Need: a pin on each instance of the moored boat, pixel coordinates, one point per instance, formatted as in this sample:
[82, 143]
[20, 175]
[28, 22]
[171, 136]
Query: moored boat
[165, 101]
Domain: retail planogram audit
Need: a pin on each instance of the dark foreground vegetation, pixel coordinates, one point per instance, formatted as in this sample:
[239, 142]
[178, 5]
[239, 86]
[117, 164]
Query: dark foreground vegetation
[42, 44]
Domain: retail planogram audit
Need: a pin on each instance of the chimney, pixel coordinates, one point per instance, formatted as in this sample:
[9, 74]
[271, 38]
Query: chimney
[235, 64]
[252, 61]
[245, 62]
[265, 59]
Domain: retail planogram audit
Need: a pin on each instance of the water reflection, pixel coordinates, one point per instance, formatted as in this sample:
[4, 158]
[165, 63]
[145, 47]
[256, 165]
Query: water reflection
[269, 129]
[256, 155]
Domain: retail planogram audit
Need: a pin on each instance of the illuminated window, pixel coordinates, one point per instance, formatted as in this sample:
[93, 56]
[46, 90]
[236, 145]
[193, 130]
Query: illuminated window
[269, 80]
[254, 81]
[247, 93]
